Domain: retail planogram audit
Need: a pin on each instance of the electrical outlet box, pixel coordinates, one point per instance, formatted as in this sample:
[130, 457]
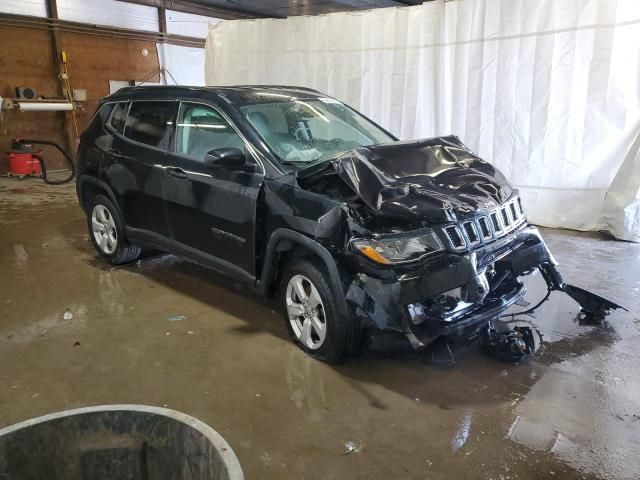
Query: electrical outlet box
[80, 94]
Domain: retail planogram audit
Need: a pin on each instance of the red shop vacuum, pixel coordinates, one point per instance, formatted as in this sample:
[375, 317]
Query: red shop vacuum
[25, 160]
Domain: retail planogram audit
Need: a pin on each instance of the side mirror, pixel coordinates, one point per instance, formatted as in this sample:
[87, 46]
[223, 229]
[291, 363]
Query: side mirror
[227, 158]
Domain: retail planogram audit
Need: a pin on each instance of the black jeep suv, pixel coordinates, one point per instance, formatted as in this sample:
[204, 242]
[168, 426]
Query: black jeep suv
[294, 192]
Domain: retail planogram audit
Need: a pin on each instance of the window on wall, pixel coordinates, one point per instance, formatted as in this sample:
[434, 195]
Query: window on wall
[33, 8]
[189, 24]
[150, 123]
[201, 129]
[109, 12]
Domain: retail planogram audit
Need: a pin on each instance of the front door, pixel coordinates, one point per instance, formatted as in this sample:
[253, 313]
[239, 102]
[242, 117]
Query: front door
[211, 212]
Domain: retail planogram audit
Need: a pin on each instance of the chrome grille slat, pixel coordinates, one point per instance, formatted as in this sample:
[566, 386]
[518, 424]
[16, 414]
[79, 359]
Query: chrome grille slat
[471, 233]
[455, 237]
[497, 223]
[505, 217]
[514, 215]
[484, 228]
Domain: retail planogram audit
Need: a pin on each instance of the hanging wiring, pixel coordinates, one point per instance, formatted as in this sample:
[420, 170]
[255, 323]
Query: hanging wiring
[529, 311]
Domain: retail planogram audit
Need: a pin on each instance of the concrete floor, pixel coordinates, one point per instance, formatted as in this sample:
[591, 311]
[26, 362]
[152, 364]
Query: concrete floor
[75, 332]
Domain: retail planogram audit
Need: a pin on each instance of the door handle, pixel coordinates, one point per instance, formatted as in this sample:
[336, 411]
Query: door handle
[176, 172]
[117, 153]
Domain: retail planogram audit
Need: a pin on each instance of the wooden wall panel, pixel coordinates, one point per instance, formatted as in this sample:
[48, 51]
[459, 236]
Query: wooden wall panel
[26, 60]
[94, 60]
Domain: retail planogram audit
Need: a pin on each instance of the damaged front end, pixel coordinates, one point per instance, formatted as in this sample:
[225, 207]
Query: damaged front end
[450, 294]
[438, 243]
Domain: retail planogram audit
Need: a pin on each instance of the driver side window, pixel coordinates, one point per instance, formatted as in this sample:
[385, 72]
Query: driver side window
[201, 129]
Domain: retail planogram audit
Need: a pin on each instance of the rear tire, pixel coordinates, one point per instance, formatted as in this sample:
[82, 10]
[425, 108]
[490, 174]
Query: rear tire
[313, 317]
[106, 230]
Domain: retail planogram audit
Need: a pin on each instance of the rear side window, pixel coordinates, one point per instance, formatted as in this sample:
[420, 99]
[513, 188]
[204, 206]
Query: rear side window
[118, 117]
[150, 122]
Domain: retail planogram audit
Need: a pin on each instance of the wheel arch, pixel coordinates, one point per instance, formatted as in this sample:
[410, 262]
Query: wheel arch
[286, 245]
[88, 187]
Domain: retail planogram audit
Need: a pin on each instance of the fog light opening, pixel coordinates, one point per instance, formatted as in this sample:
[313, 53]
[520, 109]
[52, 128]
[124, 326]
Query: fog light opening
[416, 313]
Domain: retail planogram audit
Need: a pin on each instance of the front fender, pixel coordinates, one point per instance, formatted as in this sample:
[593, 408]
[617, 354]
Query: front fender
[286, 235]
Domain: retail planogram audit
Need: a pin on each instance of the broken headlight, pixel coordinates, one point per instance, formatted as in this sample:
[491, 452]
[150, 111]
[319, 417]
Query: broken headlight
[398, 249]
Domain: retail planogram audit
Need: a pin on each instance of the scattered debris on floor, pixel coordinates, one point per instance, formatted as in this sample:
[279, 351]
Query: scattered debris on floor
[587, 319]
[67, 315]
[352, 447]
[441, 353]
[266, 457]
[511, 345]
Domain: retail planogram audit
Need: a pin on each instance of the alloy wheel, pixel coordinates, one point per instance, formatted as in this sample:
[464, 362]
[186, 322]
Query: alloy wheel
[104, 229]
[306, 312]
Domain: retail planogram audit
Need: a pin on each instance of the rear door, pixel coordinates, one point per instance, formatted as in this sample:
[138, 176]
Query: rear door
[212, 213]
[138, 155]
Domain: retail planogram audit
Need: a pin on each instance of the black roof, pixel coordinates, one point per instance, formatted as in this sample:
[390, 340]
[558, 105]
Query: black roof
[235, 94]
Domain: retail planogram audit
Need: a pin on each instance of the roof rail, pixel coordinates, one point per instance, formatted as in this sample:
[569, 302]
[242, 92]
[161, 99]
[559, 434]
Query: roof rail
[284, 87]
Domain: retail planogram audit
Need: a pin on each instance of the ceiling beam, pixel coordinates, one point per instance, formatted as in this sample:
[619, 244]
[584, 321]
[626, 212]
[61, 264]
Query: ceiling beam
[369, 4]
[411, 2]
[24, 21]
[187, 6]
[162, 19]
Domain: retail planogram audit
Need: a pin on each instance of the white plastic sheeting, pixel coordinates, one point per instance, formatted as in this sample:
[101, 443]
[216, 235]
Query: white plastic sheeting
[546, 90]
[184, 65]
[110, 12]
[181, 65]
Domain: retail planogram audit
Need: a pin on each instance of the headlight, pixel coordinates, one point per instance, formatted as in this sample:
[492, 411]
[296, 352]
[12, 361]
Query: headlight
[398, 249]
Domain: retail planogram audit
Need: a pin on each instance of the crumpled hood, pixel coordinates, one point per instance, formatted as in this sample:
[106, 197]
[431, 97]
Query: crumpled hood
[436, 179]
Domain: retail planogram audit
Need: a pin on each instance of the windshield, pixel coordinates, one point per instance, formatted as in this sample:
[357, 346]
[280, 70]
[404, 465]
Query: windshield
[305, 131]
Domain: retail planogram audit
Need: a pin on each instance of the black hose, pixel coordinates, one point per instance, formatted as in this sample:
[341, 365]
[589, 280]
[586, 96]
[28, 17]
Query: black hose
[528, 310]
[44, 167]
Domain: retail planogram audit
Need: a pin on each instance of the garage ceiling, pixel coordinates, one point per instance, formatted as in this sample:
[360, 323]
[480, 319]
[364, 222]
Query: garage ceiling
[286, 8]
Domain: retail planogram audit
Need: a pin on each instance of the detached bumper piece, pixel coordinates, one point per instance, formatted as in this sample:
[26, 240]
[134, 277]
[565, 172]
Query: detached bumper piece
[511, 346]
[593, 305]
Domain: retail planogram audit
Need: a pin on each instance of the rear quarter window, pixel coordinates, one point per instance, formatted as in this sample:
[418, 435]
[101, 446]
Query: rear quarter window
[103, 112]
[150, 123]
[118, 117]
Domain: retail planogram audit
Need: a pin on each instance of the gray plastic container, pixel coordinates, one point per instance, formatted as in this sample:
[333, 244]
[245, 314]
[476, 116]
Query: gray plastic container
[124, 442]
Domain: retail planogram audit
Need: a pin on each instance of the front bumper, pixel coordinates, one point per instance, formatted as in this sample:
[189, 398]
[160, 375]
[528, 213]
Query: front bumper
[381, 299]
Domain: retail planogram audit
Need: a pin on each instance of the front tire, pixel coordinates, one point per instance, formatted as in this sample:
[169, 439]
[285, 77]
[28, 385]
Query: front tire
[313, 317]
[106, 230]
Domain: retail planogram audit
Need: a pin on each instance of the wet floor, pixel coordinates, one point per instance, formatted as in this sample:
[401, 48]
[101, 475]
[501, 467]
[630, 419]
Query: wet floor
[76, 332]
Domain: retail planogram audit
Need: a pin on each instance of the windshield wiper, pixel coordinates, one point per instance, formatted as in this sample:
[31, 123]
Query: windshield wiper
[293, 162]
